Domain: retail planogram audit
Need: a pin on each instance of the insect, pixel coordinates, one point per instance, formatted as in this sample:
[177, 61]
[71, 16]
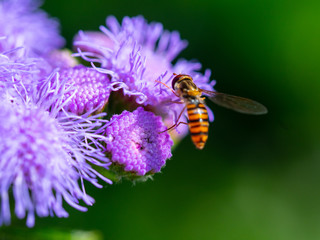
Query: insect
[189, 94]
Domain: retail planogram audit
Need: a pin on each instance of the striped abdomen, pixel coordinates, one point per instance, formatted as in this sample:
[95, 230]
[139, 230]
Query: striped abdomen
[198, 123]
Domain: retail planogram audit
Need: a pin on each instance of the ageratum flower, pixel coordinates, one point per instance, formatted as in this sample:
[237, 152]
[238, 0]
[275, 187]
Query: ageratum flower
[29, 42]
[23, 24]
[90, 89]
[137, 54]
[19, 74]
[135, 142]
[15, 70]
[45, 153]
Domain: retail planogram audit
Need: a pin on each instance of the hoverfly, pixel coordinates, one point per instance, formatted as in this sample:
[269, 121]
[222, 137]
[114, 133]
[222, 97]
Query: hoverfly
[184, 88]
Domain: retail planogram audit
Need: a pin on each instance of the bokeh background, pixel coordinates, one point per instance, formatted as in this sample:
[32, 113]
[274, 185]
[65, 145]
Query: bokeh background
[259, 176]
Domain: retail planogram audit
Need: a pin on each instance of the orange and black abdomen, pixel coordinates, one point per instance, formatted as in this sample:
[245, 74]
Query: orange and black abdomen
[198, 123]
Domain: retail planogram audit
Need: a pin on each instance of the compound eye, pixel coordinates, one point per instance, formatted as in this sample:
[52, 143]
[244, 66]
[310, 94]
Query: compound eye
[174, 80]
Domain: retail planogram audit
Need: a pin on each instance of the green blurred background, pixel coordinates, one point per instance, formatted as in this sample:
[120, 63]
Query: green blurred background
[258, 177]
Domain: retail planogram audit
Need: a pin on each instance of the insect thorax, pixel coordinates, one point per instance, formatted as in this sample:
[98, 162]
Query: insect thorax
[187, 89]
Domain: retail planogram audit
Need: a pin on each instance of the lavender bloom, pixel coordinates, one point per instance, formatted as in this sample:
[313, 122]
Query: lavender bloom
[90, 89]
[134, 142]
[14, 70]
[45, 152]
[19, 75]
[139, 53]
[24, 24]
[136, 54]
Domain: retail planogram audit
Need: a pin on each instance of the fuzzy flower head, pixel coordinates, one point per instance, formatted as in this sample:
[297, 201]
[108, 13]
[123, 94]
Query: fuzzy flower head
[23, 24]
[135, 142]
[91, 89]
[20, 74]
[16, 72]
[45, 154]
[137, 54]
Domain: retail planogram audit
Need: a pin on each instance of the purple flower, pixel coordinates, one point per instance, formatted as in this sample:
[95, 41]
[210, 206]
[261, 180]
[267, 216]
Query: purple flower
[23, 24]
[139, 53]
[135, 54]
[45, 152]
[135, 142]
[14, 70]
[91, 89]
[20, 75]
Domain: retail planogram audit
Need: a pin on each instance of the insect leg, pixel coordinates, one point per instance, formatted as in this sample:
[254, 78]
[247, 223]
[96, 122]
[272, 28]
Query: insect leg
[174, 126]
[171, 102]
[177, 122]
[168, 87]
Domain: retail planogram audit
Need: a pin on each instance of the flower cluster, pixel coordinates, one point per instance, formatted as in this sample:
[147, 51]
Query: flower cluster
[63, 123]
[135, 143]
[138, 55]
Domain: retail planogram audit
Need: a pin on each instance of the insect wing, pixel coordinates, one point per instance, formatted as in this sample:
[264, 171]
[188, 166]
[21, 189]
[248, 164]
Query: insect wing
[238, 104]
